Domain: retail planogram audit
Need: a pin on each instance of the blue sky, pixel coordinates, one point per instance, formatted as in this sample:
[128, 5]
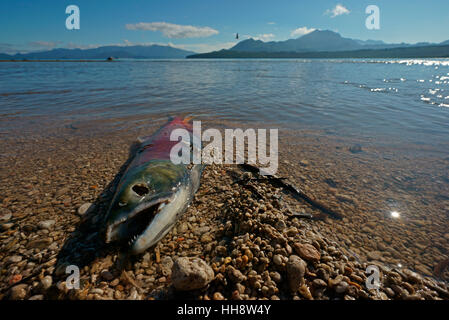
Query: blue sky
[38, 25]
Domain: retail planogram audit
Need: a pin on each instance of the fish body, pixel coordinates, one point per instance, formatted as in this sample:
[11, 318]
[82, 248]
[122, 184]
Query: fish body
[153, 192]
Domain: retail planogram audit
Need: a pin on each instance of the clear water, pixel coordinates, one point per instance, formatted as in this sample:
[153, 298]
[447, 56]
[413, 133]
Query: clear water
[407, 99]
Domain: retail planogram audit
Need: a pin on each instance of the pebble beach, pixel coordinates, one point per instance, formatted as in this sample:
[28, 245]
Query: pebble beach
[243, 238]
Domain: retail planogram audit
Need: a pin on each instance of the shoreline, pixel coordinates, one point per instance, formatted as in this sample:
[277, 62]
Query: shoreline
[58, 60]
[65, 171]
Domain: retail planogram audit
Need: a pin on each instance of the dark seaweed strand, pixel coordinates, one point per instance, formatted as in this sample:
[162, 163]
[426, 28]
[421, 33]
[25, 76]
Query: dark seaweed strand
[295, 191]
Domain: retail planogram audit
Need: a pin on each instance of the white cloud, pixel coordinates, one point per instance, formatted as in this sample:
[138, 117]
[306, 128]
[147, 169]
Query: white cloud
[271, 23]
[301, 31]
[263, 37]
[337, 11]
[171, 30]
[72, 45]
[45, 44]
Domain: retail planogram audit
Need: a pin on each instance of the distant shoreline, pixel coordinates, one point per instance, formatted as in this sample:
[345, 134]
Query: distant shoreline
[53, 60]
[391, 53]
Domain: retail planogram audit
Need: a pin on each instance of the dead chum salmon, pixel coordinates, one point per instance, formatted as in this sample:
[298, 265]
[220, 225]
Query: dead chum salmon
[153, 192]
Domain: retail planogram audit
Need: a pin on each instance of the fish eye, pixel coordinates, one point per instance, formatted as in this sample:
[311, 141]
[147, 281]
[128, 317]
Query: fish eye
[140, 189]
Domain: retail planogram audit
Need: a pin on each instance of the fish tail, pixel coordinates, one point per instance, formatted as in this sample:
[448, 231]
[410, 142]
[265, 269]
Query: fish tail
[185, 120]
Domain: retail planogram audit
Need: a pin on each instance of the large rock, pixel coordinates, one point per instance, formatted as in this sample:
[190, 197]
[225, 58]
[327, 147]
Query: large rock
[296, 268]
[191, 274]
[307, 251]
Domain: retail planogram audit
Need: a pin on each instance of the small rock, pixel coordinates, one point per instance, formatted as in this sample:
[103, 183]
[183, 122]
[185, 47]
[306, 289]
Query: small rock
[412, 277]
[236, 295]
[83, 209]
[97, 291]
[218, 296]
[307, 251]
[18, 292]
[6, 226]
[305, 292]
[182, 228]
[319, 283]
[342, 287]
[166, 266]
[276, 277]
[296, 267]
[221, 250]
[235, 275]
[206, 238]
[374, 255]
[107, 275]
[240, 287]
[280, 225]
[147, 257]
[133, 295]
[7, 217]
[47, 224]
[46, 283]
[191, 274]
[37, 297]
[201, 230]
[40, 243]
[355, 148]
[14, 259]
[423, 269]
[114, 282]
[277, 259]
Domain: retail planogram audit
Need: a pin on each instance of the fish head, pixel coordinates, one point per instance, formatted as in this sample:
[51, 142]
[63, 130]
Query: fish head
[141, 195]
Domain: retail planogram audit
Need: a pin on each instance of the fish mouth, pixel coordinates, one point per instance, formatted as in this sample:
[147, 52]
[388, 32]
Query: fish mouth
[128, 229]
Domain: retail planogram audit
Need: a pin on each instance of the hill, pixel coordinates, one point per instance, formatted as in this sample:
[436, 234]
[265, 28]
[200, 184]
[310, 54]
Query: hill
[434, 51]
[133, 52]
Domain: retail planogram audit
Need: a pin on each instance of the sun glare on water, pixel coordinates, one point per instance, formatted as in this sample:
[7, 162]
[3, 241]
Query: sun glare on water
[395, 214]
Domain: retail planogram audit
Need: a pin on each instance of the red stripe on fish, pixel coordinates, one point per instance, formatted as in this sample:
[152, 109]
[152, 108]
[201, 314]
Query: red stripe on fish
[159, 146]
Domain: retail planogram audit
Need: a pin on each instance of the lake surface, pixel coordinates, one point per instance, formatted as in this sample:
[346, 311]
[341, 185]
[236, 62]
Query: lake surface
[404, 98]
[395, 192]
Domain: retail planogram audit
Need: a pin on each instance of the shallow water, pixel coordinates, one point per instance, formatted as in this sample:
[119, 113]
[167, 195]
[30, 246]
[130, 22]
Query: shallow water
[397, 110]
[404, 98]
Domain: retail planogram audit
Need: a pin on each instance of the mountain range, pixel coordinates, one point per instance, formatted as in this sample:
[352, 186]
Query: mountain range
[316, 41]
[319, 43]
[133, 52]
